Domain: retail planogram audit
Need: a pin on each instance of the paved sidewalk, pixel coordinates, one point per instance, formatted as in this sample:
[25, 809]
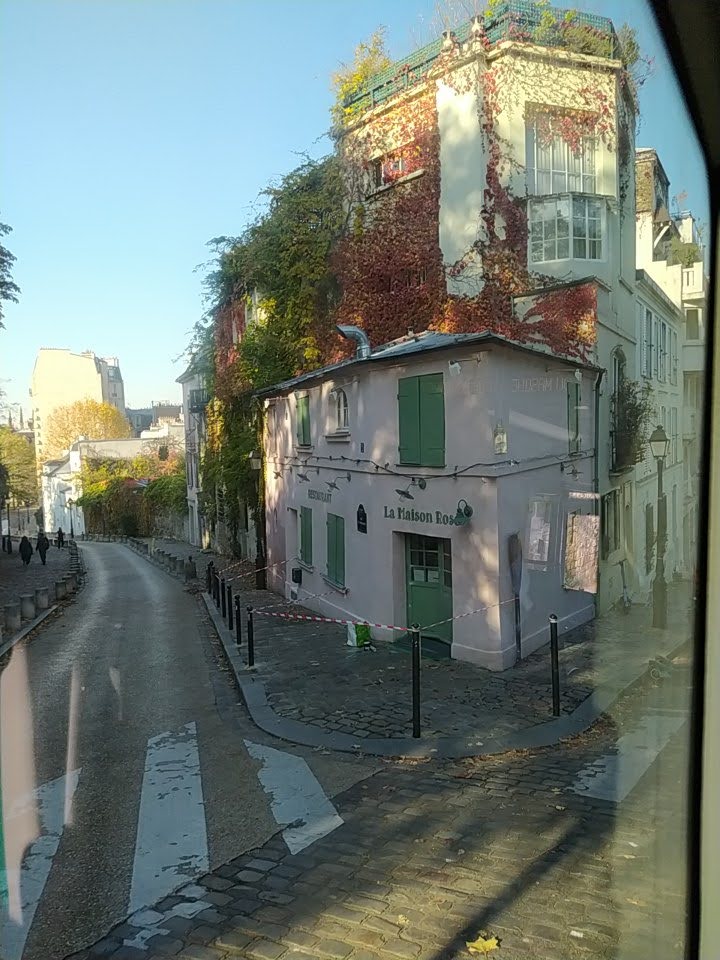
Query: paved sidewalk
[16, 578]
[431, 855]
[308, 686]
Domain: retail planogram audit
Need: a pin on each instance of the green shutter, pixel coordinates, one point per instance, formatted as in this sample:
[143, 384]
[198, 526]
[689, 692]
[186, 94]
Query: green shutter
[573, 416]
[432, 420]
[409, 419]
[306, 535]
[336, 549]
[303, 421]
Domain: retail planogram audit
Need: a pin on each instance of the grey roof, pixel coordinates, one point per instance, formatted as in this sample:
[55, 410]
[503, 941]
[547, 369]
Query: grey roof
[418, 343]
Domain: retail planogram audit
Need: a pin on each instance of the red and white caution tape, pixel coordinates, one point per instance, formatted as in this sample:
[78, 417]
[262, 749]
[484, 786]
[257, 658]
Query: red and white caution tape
[303, 616]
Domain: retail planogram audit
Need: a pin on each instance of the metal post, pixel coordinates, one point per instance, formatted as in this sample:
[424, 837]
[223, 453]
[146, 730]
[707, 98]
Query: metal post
[250, 636]
[238, 622]
[208, 577]
[415, 634]
[554, 665]
[223, 598]
[217, 590]
[229, 607]
[659, 587]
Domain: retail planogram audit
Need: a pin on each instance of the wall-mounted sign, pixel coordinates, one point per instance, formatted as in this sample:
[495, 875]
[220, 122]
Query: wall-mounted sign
[319, 495]
[361, 519]
[581, 552]
[419, 516]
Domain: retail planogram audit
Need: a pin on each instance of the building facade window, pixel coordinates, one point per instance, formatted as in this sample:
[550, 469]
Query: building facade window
[573, 416]
[610, 523]
[692, 323]
[306, 549]
[303, 421]
[421, 420]
[673, 357]
[674, 435]
[647, 344]
[564, 227]
[336, 549]
[339, 403]
[553, 166]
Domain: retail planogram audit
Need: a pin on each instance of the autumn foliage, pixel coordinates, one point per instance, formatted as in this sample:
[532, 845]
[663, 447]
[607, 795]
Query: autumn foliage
[88, 419]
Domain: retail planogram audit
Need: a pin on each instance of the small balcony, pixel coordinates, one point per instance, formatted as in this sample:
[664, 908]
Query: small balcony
[693, 282]
[693, 358]
[198, 400]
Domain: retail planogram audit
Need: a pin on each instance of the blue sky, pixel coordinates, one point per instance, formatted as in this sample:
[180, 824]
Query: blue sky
[133, 131]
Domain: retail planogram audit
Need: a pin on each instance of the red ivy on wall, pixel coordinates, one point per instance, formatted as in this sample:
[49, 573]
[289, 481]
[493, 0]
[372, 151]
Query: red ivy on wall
[390, 265]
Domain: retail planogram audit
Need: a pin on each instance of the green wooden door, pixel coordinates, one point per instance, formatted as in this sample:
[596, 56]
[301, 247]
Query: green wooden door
[429, 585]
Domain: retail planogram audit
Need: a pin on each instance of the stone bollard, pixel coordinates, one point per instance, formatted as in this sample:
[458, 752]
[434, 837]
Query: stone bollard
[69, 585]
[60, 589]
[27, 606]
[12, 617]
[73, 578]
[42, 599]
[179, 565]
[189, 570]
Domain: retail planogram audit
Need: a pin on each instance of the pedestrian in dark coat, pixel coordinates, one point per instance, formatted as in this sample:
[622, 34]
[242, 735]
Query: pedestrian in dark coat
[60, 538]
[42, 546]
[26, 550]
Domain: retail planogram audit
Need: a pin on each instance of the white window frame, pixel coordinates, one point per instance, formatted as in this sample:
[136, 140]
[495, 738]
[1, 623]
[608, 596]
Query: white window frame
[562, 228]
[555, 168]
[340, 410]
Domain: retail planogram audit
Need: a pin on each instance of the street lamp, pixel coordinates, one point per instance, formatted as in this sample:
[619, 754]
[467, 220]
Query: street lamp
[659, 444]
[71, 504]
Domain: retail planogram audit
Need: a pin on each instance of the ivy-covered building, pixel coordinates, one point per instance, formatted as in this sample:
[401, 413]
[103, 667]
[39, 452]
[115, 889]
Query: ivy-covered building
[409, 484]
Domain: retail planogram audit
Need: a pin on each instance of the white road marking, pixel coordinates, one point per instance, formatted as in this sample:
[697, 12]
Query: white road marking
[296, 797]
[171, 846]
[614, 775]
[30, 877]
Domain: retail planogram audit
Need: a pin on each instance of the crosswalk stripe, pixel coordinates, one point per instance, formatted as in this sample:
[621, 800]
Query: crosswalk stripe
[297, 799]
[613, 776]
[172, 845]
[25, 883]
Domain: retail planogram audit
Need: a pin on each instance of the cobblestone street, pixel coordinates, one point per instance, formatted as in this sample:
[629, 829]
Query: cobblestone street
[431, 855]
[312, 676]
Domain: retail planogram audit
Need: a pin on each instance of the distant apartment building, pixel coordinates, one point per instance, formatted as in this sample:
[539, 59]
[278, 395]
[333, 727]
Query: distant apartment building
[195, 398]
[61, 377]
[670, 255]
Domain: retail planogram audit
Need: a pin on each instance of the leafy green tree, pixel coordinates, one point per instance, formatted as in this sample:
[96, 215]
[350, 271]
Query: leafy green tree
[8, 289]
[18, 458]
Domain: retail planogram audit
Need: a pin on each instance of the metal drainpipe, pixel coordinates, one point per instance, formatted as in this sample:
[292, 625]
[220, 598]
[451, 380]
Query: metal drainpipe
[260, 526]
[596, 474]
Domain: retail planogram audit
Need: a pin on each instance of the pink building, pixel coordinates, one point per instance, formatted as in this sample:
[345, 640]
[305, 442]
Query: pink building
[400, 483]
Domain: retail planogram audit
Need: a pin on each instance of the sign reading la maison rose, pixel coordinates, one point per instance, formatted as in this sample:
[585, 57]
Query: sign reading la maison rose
[419, 516]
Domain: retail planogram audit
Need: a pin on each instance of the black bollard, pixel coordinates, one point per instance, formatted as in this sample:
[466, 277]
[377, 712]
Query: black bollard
[554, 665]
[223, 597]
[216, 589]
[238, 622]
[229, 607]
[251, 637]
[415, 635]
[208, 577]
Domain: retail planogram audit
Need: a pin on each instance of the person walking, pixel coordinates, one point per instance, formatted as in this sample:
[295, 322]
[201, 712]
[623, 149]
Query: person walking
[26, 550]
[60, 538]
[42, 545]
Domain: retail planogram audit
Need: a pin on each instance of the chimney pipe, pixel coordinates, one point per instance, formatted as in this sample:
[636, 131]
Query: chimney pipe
[355, 333]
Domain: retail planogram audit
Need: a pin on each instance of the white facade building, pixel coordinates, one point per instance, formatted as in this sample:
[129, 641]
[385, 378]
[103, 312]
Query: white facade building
[194, 400]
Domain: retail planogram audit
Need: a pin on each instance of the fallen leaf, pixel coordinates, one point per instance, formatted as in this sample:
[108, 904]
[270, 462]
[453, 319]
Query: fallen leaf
[481, 945]
[402, 919]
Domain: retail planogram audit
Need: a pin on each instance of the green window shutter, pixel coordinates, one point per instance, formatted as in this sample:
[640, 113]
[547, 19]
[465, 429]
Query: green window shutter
[336, 549]
[409, 419]
[303, 421]
[432, 420]
[306, 535]
[340, 550]
[573, 416]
